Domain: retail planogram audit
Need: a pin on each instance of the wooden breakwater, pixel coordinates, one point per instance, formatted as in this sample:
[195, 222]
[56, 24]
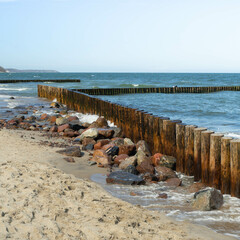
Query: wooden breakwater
[40, 80]
[209, 157]
[117, 91]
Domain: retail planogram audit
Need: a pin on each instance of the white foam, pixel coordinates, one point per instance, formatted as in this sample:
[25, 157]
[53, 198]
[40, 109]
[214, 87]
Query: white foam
[135, 85]
[233, 135]
[14, 89]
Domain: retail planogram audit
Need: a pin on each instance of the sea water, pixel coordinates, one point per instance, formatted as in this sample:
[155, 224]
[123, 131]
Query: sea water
[217, 111]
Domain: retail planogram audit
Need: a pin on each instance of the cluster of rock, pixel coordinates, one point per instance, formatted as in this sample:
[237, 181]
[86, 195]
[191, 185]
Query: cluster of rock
[132, 162]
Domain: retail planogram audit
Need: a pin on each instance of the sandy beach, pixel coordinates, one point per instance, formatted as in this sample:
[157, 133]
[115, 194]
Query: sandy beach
[40, 198]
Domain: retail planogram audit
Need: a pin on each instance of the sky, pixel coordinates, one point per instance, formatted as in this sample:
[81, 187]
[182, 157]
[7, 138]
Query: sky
[121, 35]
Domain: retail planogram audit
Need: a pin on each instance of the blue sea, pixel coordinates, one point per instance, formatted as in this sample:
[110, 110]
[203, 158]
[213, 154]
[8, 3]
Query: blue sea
[218, 111]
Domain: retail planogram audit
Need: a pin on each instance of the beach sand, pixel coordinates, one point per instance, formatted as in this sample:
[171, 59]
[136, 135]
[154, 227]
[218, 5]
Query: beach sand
[40, 198]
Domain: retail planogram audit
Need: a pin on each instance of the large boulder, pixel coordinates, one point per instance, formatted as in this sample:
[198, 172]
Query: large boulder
[126, 178]
[61, 121]
[142, 145]
[73, 151]
[101, 122]
[145, 167]
[105, 133]
[101, 143]
[89, 133]
[128, 141]
[127, 149]
[102, 158]
[117, 132]
[167, 161]
[207, 199]
[164, 173]
[141, 156]
[127, 162]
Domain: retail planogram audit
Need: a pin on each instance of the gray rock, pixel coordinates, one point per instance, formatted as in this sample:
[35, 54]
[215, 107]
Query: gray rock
[89, 133]
[73, 151]
[207, 199]
[168, 161]
[126, 178]
[131, 169]
[141, 156]
[117, 132]
[88, 147]
[142, 145]
[61, 121]
[128, 141]
[127, 162]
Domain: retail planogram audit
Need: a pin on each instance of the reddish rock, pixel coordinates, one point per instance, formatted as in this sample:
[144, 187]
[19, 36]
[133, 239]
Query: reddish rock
[120, 158]
[72, 118]
[72, 151]
[87, 141]
[70, 134]
[13, 122]
[101, 143]
[117, 141]
[144, 147]
[162, 195]
[195, 187]
[105, 147]
[53, 129]
[127, 149]
[156, 159]
[101, 157]
[173, 182]
[52, 119]
[149, 177]
[145, 167]
[63, 127]
[44, 116]
[164, 173]
[105, 133]
[101, 122]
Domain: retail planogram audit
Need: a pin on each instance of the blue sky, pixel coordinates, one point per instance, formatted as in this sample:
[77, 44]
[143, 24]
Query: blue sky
[121, 35]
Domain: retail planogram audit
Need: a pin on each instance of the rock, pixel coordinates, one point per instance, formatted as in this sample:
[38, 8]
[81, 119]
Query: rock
[105, 147]
[118, 133]
[155, 159]
[86, 141]
[88, 147]
[164, 173]
[105, 133]
[162, 195]
[144, 147]
[112, 151]
[12, 98]
[91, 163]
[117, 141]
[127, 162]
[127, 149]
[120, 158]
[55, 105]
[73, 151]
[208, 199]
[61, 121]
[63, 127]
[63, 112]
[101, 122]
[89, 133]
[149, 177]
[101, 143]
[145, 167]
[101, 157]
[141, 156]
[131, 169]
[75, 125]
[195, 187]
[44, 117]
[173, 182]
[70, 159]
[52, 119]
[128, 141]
[121, 177]
[167, 161]
[73, 118]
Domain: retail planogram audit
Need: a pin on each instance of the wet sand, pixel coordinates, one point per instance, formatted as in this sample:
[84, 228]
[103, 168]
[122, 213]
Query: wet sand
[41, 198]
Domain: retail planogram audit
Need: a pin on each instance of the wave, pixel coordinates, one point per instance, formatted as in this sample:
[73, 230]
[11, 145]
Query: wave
[14, 89]
[126, 85]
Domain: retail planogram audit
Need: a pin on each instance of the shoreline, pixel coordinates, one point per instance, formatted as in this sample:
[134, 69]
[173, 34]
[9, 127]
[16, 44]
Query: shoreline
[100, 215]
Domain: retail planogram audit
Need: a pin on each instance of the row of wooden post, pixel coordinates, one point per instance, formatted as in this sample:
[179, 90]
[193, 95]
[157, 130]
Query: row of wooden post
[208, 156]
[40, 80]
[117, 91]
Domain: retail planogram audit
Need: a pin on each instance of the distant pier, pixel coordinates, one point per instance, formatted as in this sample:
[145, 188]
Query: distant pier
[40, 80]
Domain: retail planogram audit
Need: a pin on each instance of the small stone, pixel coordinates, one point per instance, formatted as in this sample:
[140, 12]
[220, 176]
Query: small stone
[141, 156]
[73, 151]
[63, 127]
[91, 163]
[44, 116]
[168, 161]
[164, 173]
[101, 143]
[173, 182]
[131, 169]
[101, 157]
[156, 159]
[88, 147]
[55, 105]
[162, 195]
[70, 159]
[120, 158]
[86, 141]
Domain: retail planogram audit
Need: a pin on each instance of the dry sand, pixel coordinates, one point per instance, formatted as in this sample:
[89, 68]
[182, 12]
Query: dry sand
[40, 201]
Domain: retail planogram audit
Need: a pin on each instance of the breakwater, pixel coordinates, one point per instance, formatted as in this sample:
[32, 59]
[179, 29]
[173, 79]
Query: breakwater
[116, 91]
[40, 80]
[210, 157]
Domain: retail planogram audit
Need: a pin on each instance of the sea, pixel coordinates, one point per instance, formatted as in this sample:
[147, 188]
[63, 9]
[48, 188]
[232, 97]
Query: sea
[218, 111]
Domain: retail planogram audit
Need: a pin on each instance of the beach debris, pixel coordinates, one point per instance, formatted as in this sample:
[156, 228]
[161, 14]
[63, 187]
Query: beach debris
[73, 151]
[208, 199]
[126, 178]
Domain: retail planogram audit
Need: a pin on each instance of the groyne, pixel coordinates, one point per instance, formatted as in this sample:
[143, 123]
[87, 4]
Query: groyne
[40, 80]
[208, 156]
[117, 91]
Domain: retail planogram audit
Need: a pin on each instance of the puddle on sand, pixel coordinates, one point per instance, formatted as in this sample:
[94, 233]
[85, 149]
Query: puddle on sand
[177, 205]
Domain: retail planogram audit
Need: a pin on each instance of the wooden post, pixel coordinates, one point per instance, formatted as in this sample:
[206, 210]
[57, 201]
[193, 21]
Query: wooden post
[189, 150]
[215, 160]
[197, 153]
[180, 146]
[205, 154]
[162, 134]
[225, 165]
[235, 167]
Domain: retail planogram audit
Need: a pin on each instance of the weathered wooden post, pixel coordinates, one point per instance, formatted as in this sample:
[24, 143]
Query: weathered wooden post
[235, 167]
[197, 153]
[205, 154]
[215, 160]
[180, 146]
[225, 165]
[189, 150]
